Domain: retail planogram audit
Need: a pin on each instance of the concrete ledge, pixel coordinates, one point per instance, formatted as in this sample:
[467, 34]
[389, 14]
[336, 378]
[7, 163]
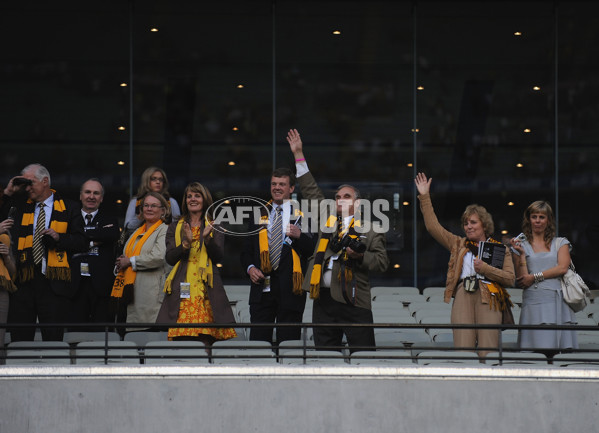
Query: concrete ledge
[274, 399]
[297, 371]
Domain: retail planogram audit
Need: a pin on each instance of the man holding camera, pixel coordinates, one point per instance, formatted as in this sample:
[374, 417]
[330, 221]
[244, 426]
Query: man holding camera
[338, 271]
[47, 230]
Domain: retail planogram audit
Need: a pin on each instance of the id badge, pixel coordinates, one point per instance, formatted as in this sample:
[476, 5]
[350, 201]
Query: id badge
[266, 287]
[85, 270]
[185, 292]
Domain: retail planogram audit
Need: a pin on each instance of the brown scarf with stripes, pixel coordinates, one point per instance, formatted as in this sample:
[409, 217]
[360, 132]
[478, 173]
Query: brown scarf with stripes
[57, 267]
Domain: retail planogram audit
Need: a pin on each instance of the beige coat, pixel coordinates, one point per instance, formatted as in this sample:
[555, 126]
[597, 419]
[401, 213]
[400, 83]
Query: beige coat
[457, 247]
[152, 271]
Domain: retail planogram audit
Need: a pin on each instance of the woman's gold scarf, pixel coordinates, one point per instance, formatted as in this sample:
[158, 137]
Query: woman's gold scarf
[205, 270]
[126, 277]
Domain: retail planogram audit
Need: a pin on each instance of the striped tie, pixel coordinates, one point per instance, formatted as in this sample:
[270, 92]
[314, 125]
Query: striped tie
[276, 238]
[38, 248]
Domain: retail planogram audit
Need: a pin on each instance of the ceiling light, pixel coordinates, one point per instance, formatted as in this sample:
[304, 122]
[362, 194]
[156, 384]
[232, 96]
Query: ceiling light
[536, 88]
[410, 164]
[154, 29]
[517, 33]
[240, 86]
[121, 128]
[504, 232]
[527, 130]
[121, 163]
[415, 130]
[396, 266]
[510, 203]
[123, 84]
[119, 201]
[336, 32]
[231, 163]
[219, 265]
[406, 203]
[235, 128]
[420, 88]
[519, 165]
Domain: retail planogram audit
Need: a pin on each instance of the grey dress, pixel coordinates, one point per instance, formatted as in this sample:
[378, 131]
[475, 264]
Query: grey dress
[543, 303]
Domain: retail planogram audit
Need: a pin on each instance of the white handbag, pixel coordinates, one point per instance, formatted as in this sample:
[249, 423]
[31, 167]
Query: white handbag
[575, 291]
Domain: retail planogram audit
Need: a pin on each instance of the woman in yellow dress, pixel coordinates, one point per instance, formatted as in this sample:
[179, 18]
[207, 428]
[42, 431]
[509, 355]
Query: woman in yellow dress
[194, 289]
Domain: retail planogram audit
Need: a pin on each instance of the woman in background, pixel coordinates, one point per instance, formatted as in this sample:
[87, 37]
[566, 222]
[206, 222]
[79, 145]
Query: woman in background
[194, 289]
[152, 179]
[542, 260]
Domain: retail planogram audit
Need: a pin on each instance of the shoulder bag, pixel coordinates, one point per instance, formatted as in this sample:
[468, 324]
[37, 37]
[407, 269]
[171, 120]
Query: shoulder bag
[575, 291]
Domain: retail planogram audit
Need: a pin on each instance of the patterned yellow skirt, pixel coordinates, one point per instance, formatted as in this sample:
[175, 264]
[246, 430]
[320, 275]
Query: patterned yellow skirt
[197, 309]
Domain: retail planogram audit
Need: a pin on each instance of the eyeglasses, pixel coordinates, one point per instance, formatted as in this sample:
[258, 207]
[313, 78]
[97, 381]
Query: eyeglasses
[157, 179]
[152, 206]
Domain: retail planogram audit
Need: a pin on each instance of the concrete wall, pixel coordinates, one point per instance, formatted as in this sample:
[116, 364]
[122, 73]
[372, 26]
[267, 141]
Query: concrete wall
[297, 399]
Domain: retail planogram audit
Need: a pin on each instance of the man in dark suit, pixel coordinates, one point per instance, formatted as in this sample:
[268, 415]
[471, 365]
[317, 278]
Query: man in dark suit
[48, 231]
[93, 270]
[275, 261]
[338, 272]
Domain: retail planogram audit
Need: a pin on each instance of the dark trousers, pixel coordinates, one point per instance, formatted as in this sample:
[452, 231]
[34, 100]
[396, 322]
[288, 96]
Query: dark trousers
[3, 319]
[327, 310]
[36, 301]
[89, 307]
[271, 310]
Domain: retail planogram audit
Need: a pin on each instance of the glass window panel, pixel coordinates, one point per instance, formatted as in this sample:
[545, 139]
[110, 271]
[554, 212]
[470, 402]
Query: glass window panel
[60, 99]
[578, 154]
[350, 96]
[191, 117]
[478, 115]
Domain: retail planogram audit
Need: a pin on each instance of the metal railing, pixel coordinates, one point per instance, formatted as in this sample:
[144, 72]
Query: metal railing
[303, 351]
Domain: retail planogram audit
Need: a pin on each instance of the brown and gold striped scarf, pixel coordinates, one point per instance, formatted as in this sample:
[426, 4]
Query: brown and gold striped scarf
[323, 243]
[57, 266]
[266, 266]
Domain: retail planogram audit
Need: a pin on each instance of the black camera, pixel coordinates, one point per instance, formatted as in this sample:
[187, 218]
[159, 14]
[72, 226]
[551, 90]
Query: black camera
[353, 243]
[18, 181]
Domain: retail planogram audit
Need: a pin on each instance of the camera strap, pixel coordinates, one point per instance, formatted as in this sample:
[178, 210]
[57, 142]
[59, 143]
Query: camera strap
[346, 275]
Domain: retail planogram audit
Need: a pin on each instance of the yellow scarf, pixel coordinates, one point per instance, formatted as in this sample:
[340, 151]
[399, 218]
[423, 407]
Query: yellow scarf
[57, 267]
[501, 299]
[5, 280]
[126, 277]
[205, 269]
[266, 266]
